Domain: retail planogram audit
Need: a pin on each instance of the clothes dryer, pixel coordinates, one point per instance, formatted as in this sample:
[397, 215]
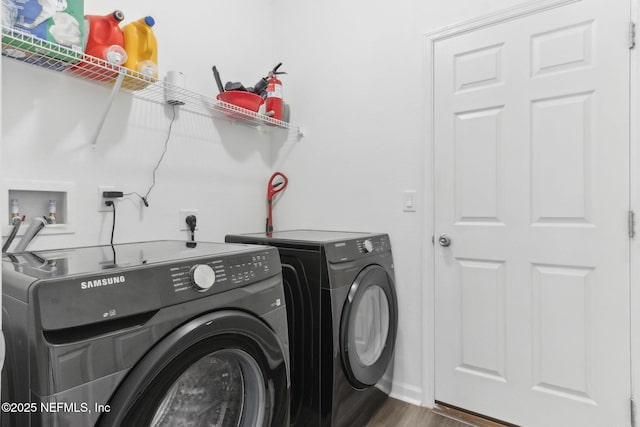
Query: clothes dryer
[343, 316]
[162, 333]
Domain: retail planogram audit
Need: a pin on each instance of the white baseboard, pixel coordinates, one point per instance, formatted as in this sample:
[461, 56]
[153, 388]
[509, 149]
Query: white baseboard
[407, 393]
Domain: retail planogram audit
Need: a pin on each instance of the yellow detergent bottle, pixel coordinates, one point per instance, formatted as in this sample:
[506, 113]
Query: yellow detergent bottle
[142, 53]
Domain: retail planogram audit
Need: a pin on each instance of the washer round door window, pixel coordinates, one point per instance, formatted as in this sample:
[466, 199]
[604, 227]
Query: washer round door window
[224, 369]
[369, 326]
[213, 391]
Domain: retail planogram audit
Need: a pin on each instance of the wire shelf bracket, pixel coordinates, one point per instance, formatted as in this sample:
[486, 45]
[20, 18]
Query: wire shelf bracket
[114, 92]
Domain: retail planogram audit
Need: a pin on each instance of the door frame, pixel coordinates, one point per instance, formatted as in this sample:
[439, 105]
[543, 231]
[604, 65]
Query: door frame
[634, 204]
[428, 224]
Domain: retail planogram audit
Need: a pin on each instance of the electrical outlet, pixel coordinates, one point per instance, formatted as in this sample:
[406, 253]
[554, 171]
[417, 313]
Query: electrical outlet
[102, 207]
[184, 213]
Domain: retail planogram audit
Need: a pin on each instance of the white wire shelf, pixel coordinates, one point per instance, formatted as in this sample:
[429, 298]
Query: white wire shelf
[22, 46]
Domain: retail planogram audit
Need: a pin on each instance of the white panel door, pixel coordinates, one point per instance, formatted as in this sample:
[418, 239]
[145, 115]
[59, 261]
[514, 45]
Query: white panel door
[531, 158]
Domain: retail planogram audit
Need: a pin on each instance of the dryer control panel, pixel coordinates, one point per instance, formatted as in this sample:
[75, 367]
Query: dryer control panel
[358, 248]
[377, 244]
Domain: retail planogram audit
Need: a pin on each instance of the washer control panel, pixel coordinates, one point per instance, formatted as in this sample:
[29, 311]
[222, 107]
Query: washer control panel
[224, 273]
[141, 287]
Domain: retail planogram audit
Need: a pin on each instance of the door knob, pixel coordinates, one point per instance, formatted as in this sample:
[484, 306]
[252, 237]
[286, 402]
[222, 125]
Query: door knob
[444, 240]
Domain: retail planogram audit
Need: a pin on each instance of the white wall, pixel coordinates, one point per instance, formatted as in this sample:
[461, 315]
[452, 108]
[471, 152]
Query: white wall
[211, 165]
[356, 80]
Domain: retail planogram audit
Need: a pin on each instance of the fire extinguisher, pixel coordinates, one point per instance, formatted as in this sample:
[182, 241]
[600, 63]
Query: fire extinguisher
[274, 93]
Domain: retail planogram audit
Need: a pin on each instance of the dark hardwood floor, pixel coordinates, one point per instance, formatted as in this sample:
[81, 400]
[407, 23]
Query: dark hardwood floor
[396, 413]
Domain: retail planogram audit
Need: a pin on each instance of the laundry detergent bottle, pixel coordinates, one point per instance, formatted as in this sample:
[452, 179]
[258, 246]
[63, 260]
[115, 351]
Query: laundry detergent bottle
[104, 40]
[142, 53]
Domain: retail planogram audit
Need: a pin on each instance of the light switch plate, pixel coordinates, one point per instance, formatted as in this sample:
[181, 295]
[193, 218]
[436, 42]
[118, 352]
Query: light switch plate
[409, 200]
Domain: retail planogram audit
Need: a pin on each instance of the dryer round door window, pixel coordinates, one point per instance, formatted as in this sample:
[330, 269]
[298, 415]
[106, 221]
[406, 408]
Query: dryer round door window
[213, 391]
[369, 326]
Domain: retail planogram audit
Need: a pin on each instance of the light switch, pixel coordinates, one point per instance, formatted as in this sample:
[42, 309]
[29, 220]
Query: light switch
[409, 200]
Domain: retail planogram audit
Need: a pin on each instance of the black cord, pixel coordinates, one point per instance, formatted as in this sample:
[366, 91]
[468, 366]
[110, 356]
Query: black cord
[166, 145]
[144, 199]
[113, 224]
[191, 222]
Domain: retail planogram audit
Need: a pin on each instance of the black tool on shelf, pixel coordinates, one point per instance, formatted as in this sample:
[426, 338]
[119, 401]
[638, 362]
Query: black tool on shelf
[216, 75]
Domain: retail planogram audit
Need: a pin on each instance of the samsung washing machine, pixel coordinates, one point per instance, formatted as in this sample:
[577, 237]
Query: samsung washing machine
[162, 333]
[343, 316]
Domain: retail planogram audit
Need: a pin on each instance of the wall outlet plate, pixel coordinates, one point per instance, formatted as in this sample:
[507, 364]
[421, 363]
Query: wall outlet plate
[102, 207]
[184, 213]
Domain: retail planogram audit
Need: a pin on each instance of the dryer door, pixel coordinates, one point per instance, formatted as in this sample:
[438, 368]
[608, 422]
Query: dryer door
[223, 369]
[369, 326]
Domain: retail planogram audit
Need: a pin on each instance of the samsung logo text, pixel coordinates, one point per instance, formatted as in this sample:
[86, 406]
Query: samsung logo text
[114, 280]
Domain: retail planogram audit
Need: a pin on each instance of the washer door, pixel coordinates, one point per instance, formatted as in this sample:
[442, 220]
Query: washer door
[223, 369]
[369, 326]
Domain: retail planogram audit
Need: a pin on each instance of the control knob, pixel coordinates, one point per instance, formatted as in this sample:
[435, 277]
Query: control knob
[367, 246]
[202, 277]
